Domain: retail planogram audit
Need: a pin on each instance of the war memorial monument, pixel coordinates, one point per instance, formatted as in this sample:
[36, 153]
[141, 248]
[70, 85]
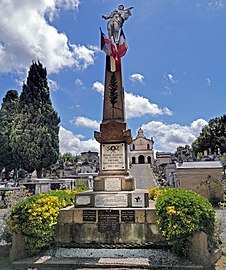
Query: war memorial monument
[115, 212]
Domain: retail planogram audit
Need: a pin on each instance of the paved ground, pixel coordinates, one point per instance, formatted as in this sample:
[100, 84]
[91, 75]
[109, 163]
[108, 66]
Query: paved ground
[143, 176]
[106, 259]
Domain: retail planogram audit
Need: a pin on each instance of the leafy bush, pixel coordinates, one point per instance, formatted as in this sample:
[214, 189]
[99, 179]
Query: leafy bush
[35, 218]
[182, 213]
[153, 192]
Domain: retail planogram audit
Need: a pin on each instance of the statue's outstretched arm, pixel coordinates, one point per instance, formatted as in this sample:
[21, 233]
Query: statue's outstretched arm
[108, 16]
[105, 17]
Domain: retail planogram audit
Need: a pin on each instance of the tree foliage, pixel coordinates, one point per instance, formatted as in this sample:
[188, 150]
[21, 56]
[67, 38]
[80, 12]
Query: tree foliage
[36, 128]
[183, 153]
[68, 159]
[212, 137]
[8, 114]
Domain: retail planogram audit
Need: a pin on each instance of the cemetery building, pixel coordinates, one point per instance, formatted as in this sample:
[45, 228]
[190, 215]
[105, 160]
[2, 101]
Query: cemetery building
[163, 158]
[203, 177]
[141, 149]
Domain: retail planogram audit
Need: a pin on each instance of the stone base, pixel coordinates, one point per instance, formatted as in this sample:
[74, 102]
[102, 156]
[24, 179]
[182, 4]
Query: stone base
[106, 226]
[118, 182]
[111, 199]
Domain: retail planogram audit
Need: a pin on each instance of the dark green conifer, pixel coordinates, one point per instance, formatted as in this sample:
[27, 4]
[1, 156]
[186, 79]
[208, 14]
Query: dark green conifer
[8, 115]
[36, 134]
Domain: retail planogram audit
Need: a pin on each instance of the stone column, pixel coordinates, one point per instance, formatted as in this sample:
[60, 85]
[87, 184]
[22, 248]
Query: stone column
[114, 136]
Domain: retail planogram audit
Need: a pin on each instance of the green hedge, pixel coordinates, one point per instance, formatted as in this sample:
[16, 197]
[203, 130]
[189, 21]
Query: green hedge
[182, 213]
[35, 218]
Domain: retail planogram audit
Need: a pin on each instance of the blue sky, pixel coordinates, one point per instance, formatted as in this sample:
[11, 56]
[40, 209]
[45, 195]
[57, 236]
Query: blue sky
[174, 71]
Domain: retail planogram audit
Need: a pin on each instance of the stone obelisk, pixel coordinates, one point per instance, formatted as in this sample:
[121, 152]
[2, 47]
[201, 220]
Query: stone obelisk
[114, 136]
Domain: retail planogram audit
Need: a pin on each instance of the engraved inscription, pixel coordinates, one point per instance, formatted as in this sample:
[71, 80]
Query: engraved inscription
[111, 200]
[82, 200]
[113, 156]
[127, 215]
[108, 220]
[112, 183]
[89, 215]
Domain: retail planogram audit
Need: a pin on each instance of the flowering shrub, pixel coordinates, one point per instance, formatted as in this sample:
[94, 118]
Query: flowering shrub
[182, 213]
[35, 218]
[153, 192]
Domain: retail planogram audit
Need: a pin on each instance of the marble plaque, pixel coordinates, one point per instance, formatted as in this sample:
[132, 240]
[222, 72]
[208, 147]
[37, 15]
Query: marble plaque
[111, 200]
[113, 156]
[112, 183]
[82, 200]
[89, 215]
[108, 221]
[127, 215]
[138, 200]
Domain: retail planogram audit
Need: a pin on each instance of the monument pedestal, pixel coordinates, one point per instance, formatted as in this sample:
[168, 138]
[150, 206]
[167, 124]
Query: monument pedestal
[112, 199]
[114, 182]
[106, 226]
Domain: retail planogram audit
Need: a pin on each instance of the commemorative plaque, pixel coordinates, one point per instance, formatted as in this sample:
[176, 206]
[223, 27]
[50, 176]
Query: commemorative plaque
[113, 156]
[111, 200]
[82, 200]
[112, 183]
[138, 200]
[127, 215]
[108, 221]
[89, 215]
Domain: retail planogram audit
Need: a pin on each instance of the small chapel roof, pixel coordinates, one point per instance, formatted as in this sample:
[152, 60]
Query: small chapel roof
[140, 133]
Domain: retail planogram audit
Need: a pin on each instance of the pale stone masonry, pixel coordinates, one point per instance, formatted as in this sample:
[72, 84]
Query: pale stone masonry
[202, 177]
[141, 149]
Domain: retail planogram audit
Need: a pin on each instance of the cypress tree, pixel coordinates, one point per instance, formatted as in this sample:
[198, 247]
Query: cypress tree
[8, 115]
[36, 134]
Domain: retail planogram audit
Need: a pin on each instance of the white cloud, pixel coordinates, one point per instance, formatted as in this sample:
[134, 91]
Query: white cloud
[136, 77]
[197, 125]
[170, 78]
[168, 137]
[217, 4]
[99, 87]
[80, 136]
[136, 106]
[208, 81]
[53, 85]
[83, 56]
[85, 122]
[79, 83]
[70, 142]
[26, 35]
[170, 81]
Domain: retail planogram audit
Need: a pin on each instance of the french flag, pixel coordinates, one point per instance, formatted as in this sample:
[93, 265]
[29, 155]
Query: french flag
[114, 49]
[122, 45]
[106, 45]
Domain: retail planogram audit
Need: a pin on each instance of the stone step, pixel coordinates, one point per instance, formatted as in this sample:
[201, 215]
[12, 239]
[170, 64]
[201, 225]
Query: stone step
[75, 258]
[143, 175]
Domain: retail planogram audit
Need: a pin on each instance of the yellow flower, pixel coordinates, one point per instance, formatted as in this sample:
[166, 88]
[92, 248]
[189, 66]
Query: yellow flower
[171, 210]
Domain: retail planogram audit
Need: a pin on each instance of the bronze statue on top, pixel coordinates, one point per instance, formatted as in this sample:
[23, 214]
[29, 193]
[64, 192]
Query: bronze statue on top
[116, 20]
